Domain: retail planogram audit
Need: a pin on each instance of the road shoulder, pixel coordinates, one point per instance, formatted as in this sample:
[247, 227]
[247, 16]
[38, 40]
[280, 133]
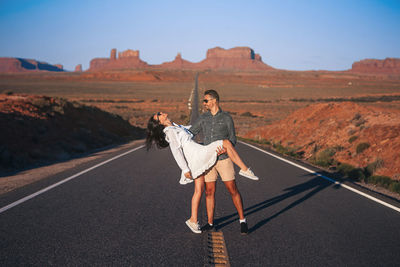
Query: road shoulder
[21, 179]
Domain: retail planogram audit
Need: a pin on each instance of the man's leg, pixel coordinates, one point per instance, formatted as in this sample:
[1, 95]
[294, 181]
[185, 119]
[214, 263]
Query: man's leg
[227, 173]
[210, 178]
[210, 201]
[228, 177]
[236, 197]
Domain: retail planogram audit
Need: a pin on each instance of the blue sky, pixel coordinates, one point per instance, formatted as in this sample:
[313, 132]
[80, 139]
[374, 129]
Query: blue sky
[293, 35]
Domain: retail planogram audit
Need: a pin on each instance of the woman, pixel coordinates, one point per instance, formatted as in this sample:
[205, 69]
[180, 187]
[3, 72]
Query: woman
[192, 158]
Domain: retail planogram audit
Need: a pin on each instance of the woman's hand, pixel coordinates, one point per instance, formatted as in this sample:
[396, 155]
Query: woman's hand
[188, 175]
[221, 150]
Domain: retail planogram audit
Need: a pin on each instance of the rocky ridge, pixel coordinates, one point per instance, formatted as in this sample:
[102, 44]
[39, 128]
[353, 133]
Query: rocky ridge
[238, 58]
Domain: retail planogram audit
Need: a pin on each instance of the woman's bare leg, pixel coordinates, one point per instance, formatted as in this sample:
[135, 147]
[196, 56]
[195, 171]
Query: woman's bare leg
[198, 191]
[233, 155]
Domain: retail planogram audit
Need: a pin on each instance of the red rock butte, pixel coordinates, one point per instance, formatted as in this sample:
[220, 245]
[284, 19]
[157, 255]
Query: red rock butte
[128, 59]
[386, 66]
[238, 58]
[78, 68]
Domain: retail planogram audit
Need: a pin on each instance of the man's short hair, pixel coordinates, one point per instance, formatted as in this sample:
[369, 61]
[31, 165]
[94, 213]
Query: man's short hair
[213, 94]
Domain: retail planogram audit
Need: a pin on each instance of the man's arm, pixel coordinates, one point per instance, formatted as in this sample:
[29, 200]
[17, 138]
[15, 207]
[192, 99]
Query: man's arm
[196, 127]
[231, 130]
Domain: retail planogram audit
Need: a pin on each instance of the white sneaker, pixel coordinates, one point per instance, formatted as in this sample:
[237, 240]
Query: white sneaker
[195, 227]
[248, 174]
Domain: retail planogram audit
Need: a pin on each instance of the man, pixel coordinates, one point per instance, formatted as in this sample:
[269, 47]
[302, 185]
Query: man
[218, 125]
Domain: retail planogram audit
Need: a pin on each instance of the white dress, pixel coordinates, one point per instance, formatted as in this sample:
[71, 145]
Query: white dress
[190, 155]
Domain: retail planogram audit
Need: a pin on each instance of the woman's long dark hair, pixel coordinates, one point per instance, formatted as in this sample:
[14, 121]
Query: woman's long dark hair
[155, 133]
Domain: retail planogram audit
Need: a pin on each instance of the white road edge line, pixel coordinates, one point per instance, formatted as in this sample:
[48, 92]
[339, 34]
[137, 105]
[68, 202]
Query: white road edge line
[22, 200]
[326, 178]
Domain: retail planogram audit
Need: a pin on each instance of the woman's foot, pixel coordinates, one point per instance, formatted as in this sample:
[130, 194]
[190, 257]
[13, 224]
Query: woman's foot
[248, 174]
[195, 227]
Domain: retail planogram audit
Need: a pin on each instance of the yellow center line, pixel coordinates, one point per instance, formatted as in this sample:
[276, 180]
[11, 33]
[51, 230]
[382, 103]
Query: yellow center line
[217, 254]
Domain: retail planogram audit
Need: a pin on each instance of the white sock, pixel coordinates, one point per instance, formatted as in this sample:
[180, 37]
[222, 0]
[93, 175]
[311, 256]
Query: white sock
[244, 220]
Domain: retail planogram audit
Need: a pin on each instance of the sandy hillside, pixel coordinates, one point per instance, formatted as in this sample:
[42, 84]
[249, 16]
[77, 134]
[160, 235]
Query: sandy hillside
[351, 133]
[40, 130]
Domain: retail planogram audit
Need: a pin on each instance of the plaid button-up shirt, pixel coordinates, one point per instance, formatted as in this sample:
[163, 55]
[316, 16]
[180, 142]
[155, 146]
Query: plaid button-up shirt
[217, 127]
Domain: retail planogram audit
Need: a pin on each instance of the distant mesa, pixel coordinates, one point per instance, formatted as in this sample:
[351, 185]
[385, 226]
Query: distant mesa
[385, 66]
[9, 64]
[238, 58]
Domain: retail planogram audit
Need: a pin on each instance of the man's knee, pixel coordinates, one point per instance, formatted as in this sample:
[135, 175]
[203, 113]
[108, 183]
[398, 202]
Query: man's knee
[232, 189]
[210, 193]
[210, 189]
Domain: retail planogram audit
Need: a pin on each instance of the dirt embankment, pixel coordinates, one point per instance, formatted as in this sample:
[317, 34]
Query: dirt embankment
[37, 130]
[334, 133]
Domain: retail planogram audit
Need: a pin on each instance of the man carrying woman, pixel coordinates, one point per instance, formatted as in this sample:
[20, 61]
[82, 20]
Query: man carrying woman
[218, 125]
[197, 161]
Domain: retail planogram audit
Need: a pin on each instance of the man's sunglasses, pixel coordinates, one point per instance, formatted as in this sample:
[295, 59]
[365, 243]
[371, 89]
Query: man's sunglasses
[158, 114]
[206, 100]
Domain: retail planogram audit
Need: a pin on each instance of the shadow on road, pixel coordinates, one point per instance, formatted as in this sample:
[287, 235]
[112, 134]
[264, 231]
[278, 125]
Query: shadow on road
[315, 185]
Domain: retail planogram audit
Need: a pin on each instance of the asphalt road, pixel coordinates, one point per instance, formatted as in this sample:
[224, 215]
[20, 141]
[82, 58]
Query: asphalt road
[194, 115]
[131, 212]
